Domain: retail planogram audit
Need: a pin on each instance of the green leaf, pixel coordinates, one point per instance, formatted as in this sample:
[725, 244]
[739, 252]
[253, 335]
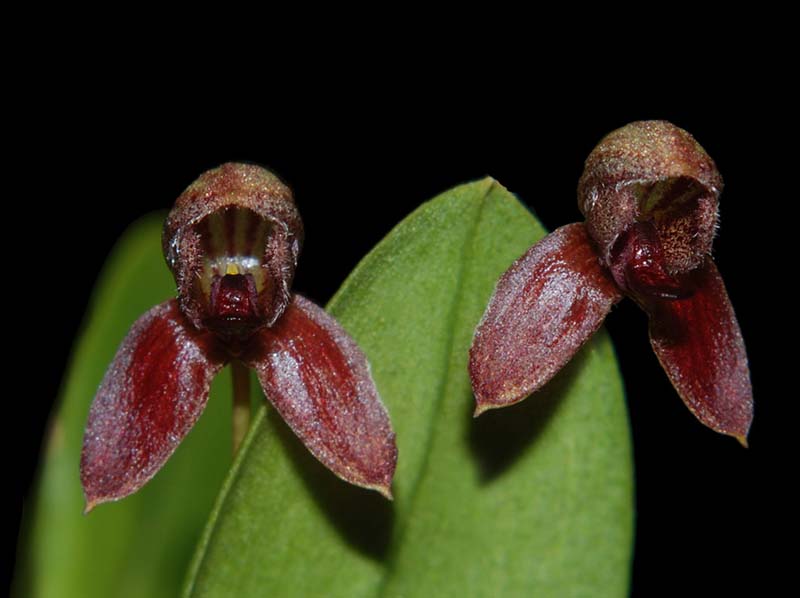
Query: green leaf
[535, 499]
[139, 546]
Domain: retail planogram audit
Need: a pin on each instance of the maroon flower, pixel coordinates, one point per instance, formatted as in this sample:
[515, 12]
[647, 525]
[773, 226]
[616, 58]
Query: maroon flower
[649, 193]
[232, 242]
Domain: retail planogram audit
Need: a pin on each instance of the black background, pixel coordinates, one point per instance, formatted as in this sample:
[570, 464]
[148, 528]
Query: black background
[358, 162]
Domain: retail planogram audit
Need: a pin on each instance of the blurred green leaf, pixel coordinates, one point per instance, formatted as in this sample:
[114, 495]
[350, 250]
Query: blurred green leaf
[535, 499]
[139, 546]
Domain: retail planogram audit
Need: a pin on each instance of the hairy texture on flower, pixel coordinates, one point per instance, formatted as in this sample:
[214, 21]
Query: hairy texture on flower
[550, 302]
[319, 381]
[232, 242]
[235, 220]
[656, 172]
[151, 396]
[650, 194]
[699, 344]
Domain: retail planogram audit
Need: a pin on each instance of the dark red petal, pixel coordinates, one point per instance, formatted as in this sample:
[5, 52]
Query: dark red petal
[700, 346]
[319, 381]
[544, 308]
[151, 396]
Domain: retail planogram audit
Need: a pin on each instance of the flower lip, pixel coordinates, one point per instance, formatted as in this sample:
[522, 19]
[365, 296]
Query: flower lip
[233, 306]
[638, 265]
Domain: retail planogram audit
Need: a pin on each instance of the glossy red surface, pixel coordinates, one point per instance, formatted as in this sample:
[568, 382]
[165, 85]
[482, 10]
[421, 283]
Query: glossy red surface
[151, 396]
[700, 346]
[319, 381]
[233, 307]
[544, 308]
[639, 268]
[233, 296]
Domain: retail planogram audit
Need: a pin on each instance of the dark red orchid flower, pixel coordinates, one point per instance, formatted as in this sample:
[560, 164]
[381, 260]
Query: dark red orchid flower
[232, 242]
[649, 193]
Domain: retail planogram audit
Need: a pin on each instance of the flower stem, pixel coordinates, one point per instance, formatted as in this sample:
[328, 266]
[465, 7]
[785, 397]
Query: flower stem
[241, 403]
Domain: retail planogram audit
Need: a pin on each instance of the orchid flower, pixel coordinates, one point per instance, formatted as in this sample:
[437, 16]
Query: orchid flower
[649, 194]
[232, 241]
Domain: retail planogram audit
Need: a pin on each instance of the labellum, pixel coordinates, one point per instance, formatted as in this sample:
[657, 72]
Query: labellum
[650, 194]
[232, 242]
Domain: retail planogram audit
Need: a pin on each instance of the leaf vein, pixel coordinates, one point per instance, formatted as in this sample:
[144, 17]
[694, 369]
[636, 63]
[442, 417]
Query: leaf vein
[391, 561]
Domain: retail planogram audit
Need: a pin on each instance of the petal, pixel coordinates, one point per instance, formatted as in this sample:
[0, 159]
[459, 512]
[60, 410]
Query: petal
[319, 381]
[544, 308]
[151, 396]
[700, 346]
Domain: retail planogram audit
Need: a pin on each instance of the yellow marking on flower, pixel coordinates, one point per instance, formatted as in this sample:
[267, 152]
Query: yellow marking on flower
[232, 268]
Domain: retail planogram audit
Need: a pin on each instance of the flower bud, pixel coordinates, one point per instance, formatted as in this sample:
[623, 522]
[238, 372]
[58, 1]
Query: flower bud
[232, 241]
